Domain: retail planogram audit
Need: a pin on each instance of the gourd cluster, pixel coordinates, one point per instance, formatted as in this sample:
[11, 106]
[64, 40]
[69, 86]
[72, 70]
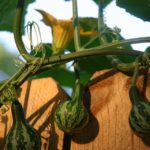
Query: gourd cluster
[139, 117]
[70, 116]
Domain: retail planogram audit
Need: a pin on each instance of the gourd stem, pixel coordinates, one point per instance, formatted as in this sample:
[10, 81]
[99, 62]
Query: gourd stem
[77, 92]
[17, 112]
[136, 72]
[76, 70]
[78, 88]
[76, 25]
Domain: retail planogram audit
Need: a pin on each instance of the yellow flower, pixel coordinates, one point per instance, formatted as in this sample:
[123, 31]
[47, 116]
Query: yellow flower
[62, 31]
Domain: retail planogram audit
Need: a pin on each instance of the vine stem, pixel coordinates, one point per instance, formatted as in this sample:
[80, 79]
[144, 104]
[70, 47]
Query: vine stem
[17, 31]
[136, 71]
[13, 78]
[102, 50]
[23, 73]
[82, 52]
[101, 23]
[76, 25]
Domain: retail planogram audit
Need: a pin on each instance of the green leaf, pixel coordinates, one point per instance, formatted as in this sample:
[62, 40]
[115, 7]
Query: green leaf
[7, 60]
[7, 13]
[42, 48]
[106, 2]
[138, 8]
[89, 65]
[60, 74]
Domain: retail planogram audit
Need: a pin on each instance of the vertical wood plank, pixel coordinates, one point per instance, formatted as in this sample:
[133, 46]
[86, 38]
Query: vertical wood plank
[39, 99]
[110, 105]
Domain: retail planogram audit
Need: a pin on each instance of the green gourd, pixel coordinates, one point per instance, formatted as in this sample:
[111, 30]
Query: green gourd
[21, 136]
[139, 118]
[71, 116]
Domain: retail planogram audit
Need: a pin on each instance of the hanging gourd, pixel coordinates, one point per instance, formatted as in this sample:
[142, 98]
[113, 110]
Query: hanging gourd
[71, 115]
[139, 118]
[21, 136]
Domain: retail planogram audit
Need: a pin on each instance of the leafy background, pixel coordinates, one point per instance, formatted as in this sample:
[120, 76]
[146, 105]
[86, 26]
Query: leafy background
[87, 66]
[138, 8]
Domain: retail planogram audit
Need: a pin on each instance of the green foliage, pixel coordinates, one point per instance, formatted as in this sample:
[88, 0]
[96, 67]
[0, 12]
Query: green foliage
[87, 65]
[7, 13]
[106, 2]
[60, 74]
[7, 61]
[138, 8]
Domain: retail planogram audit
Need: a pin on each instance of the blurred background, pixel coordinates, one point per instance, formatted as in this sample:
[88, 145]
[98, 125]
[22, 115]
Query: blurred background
[130, 26]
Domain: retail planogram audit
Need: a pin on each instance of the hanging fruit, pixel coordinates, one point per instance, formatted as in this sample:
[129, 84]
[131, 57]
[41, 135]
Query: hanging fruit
[72, 116]
[21, 136]
[139, 117]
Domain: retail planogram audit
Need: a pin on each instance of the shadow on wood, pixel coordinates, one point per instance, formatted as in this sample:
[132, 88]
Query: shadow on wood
[108, 101]
[87, 135]
[39, 99]
[110, 105]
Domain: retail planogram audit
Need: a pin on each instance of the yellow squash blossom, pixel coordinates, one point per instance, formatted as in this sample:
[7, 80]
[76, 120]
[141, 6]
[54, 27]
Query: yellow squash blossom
[62, 31]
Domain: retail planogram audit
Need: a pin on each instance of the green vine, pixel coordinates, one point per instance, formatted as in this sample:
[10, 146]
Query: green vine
[71, 116]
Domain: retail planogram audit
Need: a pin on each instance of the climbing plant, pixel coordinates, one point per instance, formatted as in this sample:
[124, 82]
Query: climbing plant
[91, 46]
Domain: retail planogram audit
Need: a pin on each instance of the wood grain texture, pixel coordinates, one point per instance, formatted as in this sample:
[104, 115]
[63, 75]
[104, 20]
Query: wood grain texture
[108, 100]
[110, 106]
[39, 99]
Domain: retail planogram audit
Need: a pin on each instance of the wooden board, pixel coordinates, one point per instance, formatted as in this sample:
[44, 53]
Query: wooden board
[110, 106]
[109, 103]
[39, 99]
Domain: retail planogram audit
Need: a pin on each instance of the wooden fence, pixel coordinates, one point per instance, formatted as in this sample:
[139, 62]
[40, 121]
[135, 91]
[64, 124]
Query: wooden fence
[108, 100]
